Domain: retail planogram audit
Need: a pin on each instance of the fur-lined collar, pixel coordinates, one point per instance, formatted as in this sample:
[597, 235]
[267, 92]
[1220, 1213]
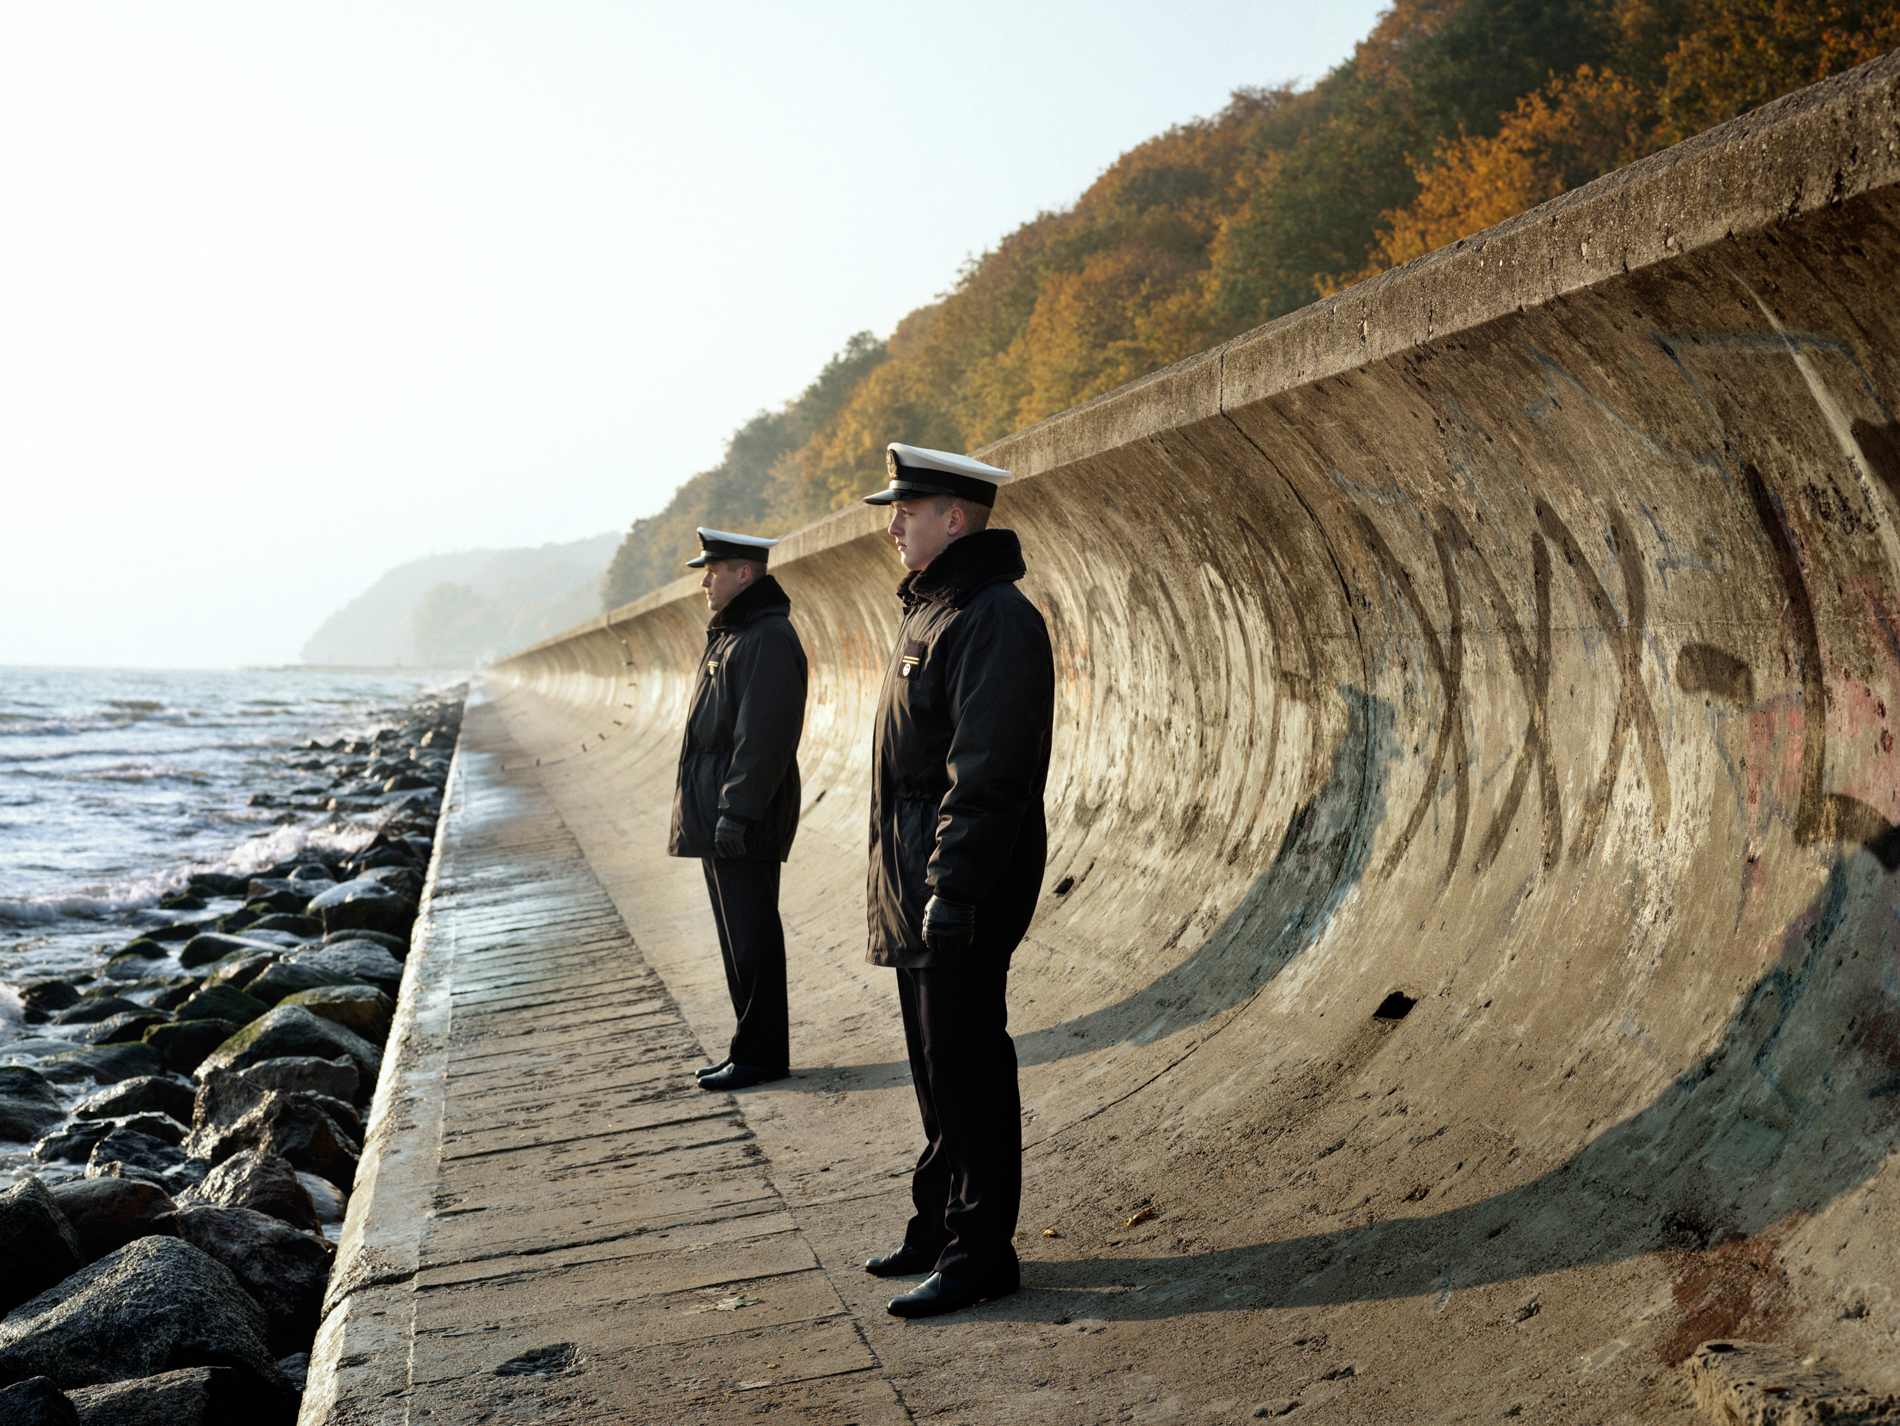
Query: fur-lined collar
[755, 601]
[978, 560]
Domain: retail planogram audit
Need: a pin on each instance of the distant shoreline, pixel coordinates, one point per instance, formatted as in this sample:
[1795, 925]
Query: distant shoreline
[388, 668]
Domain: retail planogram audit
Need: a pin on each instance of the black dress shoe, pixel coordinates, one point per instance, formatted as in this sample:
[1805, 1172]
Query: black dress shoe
[905, 1261]
[739, 1076]
[938, 1294]
[705, 1070]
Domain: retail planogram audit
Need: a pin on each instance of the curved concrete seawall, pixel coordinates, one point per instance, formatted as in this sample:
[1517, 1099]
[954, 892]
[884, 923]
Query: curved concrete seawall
[1516, 639]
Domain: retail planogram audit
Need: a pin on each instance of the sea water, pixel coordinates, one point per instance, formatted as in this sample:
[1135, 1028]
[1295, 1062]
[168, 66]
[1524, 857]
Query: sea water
[117, 784]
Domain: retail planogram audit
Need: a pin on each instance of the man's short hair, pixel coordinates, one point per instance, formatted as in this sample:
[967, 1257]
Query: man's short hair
[975, 515]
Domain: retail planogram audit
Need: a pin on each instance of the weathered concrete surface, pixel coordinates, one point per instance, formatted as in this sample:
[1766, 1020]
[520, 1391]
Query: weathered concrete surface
[550, 1215]
[1517, 633]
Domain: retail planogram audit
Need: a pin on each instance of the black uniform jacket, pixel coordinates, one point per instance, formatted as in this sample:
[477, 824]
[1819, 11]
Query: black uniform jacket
[741, 748]
[960, 754]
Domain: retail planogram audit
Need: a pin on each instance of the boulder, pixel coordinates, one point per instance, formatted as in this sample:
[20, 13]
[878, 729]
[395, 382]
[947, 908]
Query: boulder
[209, 946]
[108, 1213]
[274, 894]
[286, 978]
[74, 1143]
[345, 1115]
[284, 1271]
[121, 1029]
[157, 1093]
[50, 995]
[36, 1402]
[156, 1305]
[402, 880]
[296, 1366]
[183, 1045]
[28, 1105]
[233, 970]
[287, 921]
[306, 1074]
[363, 904]
[295, 1127]
[291, 1030]
[126, 1153]
[109, 1064]
[91, 1010]
[360, 960]
[397, 946]
[329, 1201]
[260, 1181]
[224, 1002]
[363, 1009]
[37, 1243]
[217, 883]
[192, 1396]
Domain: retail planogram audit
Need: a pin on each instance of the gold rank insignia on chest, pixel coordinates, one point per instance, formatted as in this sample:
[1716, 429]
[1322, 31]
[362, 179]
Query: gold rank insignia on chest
[712, 667]
[913, 655]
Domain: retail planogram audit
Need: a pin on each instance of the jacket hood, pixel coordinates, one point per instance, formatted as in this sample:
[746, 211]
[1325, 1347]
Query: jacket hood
[974, 562]
[755, 601]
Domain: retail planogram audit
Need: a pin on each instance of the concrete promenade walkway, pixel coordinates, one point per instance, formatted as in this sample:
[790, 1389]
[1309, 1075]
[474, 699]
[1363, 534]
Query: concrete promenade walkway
[553, 1224]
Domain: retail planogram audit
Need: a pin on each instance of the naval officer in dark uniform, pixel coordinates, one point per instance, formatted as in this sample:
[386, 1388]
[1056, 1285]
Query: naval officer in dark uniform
[736, 803]
[960, 754]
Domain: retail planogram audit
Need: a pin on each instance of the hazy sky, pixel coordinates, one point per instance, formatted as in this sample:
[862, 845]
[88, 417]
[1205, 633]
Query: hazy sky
[293, 293]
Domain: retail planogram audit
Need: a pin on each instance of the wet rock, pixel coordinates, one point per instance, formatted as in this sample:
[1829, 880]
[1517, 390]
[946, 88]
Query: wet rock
[307, 1074]
[363, 1009]
[36, 1402]
[121, 1029]
[34, 1047]
[153, 1092]
[217, 883]
[289, 923]
[183, 1045]
[169, 995]
[91, 1010]
[75, 1142]
[260, 1181]
[329, 1201]
[126, 1153]
[28, 1105]
[192, 1396]
[224, 1002]
[363, 904]
[294, 1127]
[49, 995]
[296, 1366]
[284, 1271]
[358, 959]
[345, 1115]
[211, 946]
[397, 946]
[37, 1243]
[109, 1064]
[237, 971]
[402, 880]
[287, 977]
[292, 1031]
[272, 894]
[108, 1213]
[156, 1305]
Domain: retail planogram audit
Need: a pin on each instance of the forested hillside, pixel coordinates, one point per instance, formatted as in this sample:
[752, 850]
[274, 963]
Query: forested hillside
[1450, 116]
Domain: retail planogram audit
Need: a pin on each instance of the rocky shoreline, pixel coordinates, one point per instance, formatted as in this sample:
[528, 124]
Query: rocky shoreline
[195, 1111]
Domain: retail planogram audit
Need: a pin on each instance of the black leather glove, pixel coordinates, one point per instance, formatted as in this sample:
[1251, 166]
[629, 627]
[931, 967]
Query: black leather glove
[729, 836]
[949, 925]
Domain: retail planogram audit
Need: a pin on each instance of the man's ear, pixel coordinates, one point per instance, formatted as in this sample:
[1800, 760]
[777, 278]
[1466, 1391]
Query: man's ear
[955, 521]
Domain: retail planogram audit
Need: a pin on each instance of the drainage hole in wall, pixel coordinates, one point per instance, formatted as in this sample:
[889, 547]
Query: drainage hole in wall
[1395, 1006]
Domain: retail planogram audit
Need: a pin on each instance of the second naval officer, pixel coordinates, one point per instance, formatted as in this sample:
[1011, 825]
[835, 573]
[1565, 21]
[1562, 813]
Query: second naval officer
[736, 802]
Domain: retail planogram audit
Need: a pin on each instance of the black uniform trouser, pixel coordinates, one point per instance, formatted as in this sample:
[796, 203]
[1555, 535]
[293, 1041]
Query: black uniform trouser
[752, 944]
[968, 1184]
